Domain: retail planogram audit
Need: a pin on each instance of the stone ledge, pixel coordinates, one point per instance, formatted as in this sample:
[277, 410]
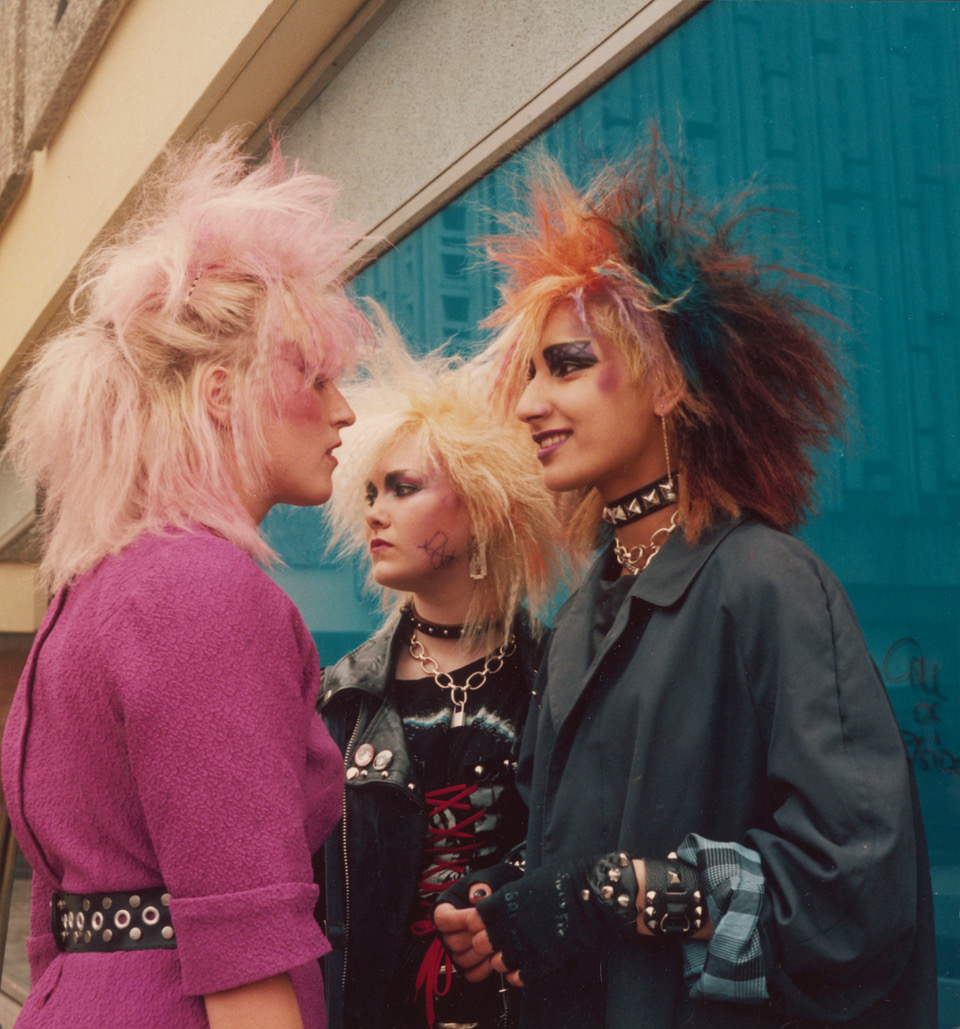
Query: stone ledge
[60, 55]
[14, 160]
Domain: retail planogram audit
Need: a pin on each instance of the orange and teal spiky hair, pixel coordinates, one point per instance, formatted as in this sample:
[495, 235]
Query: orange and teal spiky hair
[669, 282]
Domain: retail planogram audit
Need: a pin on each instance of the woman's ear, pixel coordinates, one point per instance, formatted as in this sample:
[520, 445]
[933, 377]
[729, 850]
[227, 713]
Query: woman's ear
[667, 398]
[215, 392]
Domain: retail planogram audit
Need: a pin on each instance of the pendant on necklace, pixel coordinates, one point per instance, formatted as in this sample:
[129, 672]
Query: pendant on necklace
[457, 719]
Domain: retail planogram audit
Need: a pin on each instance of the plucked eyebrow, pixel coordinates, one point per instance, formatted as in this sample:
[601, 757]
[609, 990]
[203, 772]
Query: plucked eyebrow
[579, 351]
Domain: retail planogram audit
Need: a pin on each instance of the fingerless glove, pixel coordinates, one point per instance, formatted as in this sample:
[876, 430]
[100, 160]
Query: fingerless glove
[495, 876]
[552, 915]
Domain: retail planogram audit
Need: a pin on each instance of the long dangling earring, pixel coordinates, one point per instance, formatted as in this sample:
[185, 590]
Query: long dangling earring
[477, 550]
[671, 485]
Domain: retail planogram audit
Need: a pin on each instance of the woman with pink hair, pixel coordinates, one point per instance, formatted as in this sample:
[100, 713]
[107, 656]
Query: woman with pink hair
[166, 773]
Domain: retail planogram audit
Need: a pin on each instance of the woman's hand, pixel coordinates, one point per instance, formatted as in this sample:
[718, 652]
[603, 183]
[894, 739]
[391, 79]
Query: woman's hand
[269, 1002]
[459, 928]
[464, 935]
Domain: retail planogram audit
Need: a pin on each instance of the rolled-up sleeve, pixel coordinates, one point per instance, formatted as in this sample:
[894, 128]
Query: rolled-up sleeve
[729, 966]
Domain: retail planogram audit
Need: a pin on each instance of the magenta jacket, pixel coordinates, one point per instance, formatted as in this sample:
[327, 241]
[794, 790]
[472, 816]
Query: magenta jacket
[164, 732]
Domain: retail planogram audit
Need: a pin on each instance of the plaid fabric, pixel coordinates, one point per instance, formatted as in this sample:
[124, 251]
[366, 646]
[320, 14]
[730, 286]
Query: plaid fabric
[728, 966]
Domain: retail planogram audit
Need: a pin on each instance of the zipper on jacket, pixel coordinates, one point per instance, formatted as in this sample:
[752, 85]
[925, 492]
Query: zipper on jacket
[346, 867]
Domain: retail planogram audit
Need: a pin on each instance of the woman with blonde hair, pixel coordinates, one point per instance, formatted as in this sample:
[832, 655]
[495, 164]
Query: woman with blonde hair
[448, 503]
[166, 774]
[724, 830]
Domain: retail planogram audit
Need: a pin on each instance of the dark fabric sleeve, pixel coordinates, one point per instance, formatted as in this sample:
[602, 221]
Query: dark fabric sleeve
[839, 859]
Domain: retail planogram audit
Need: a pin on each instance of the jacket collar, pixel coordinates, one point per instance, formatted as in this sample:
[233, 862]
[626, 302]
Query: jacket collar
[661, 585]
[368, 667]
[675, 566]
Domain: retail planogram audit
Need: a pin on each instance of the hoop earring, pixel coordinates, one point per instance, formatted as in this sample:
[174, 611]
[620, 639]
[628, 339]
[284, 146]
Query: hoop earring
[477, 551]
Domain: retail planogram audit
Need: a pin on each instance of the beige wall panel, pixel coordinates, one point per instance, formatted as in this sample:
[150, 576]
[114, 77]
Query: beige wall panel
[169, 69]
[21, 604]
[437, 78]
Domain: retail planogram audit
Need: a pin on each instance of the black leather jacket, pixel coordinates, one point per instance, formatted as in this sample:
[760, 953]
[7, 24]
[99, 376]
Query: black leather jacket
[368, 896]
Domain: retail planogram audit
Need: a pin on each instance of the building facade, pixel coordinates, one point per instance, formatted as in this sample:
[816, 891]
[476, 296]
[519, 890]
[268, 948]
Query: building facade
[847, 114]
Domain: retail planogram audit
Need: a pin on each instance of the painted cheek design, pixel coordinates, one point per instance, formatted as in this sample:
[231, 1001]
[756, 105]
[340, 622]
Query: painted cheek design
[436, 549]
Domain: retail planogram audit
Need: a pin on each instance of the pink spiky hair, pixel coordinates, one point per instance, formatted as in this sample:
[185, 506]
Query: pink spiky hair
[209, 214]
[219, 265]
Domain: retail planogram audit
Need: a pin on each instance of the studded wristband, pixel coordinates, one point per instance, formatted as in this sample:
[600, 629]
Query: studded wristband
[673, 908]
[612, 886]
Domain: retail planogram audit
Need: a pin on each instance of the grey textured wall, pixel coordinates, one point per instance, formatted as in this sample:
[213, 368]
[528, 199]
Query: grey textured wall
[435, 78]
[46, 49]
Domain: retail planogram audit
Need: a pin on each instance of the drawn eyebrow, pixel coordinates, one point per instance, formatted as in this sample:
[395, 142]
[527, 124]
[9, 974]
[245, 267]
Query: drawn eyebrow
[579, 351]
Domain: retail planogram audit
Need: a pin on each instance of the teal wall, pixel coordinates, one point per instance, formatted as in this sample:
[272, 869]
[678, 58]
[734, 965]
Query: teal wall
[850, 114]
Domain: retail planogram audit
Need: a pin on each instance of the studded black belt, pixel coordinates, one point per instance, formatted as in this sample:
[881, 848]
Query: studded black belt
[98, 922]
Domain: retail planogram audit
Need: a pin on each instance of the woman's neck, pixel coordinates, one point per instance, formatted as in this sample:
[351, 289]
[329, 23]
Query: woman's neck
[449, 609]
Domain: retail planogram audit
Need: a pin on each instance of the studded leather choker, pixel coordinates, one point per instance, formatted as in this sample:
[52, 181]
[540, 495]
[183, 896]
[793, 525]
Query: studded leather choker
[444, 632]
[632, 507]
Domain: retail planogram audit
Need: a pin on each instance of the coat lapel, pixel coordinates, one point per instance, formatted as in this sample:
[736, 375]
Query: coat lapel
[662, 584]
[567, 657]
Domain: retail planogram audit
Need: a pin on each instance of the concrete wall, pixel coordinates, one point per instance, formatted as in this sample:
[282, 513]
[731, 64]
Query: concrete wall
[444, 90]
[46, 49]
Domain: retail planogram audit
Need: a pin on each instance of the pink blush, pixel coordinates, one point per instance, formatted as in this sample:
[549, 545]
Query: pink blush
[300, 404]
[608, 380]
[295, 399]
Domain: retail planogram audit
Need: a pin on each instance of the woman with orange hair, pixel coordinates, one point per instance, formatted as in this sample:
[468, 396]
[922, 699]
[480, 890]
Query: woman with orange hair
[723, 825]
[167, 775]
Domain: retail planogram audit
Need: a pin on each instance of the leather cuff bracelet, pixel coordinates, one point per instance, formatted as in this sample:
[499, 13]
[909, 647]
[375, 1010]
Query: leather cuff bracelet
[612, 886]
[673, 908]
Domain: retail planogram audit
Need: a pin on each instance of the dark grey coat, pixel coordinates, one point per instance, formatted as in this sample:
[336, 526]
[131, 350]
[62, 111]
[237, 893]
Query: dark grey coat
[734, 697]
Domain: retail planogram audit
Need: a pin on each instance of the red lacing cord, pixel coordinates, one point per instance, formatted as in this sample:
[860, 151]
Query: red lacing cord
[456, 843]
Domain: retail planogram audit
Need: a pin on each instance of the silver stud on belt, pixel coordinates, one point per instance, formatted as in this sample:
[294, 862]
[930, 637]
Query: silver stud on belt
[113, 921]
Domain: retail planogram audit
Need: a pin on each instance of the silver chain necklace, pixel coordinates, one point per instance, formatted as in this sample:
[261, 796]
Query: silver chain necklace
[458, 694]
[635, 559]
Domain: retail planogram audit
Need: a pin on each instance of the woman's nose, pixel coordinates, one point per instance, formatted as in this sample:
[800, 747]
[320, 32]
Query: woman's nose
[341, 413]
[376, 514]
[533, 403]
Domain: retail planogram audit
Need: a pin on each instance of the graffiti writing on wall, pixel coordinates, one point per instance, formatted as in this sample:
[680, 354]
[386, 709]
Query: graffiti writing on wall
[905, 662]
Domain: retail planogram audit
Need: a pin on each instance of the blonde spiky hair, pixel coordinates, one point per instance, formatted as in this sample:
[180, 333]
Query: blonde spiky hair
[440, 405]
